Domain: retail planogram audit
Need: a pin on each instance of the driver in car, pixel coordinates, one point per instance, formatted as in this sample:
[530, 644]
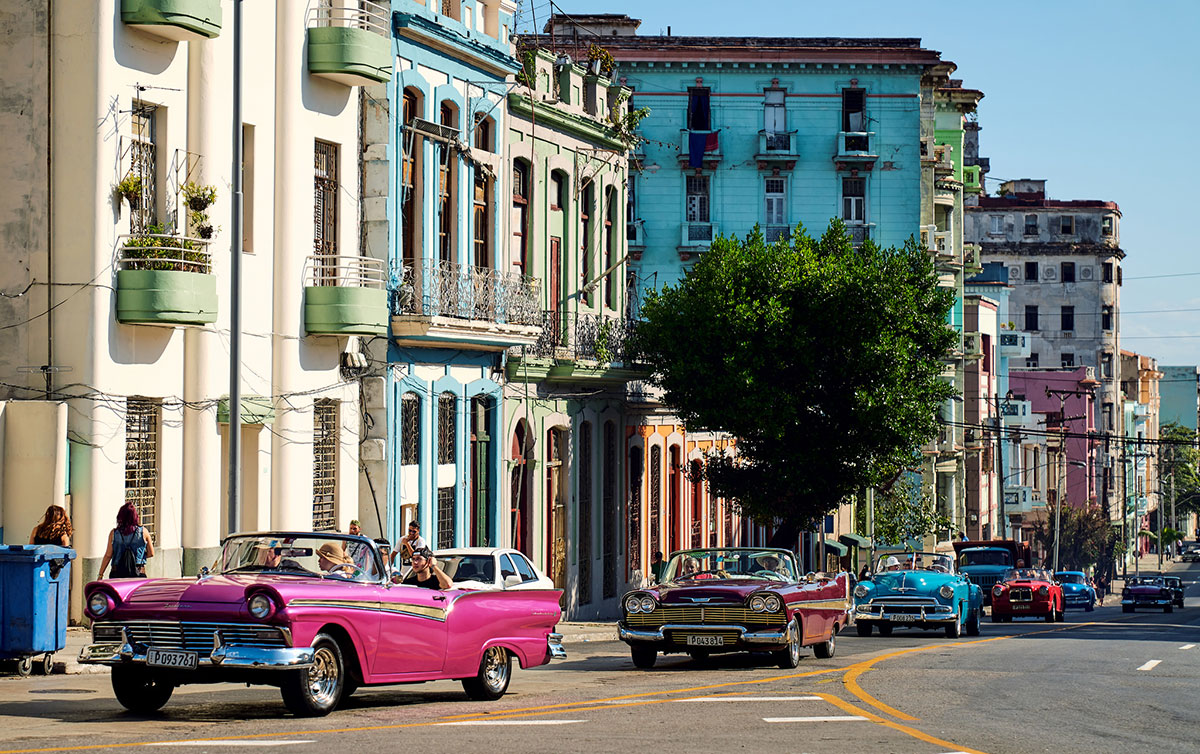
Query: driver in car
[334, 560]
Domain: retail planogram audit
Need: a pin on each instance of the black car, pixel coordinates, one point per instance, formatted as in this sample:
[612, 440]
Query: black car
[1191, 555]
[1175, 584]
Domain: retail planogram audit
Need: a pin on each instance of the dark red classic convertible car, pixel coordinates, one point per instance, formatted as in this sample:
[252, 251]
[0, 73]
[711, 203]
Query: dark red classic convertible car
[1027, 593]
[734, 600]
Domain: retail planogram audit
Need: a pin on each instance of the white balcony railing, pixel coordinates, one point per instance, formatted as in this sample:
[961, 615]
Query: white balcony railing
[773, 233]
[1016, 412]
[446, 289]
[345, 272]
[635, 233]
[771, 142]
[1014, 344]
[164, 252]
[697, 234]
[853, 144]
[368, 15]
[1018, 499]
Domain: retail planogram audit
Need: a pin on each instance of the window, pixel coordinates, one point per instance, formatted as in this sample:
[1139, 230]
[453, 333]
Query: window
[608, 508]
[697, 198]
[853, 199]
[1106, 366]
[1031, 318]
[854, 119]
[1068, 272]
[587, 208]
[325, 199]
[520, 214]
[325, 452]
[445, 517]
[482, 219]
[1031, 228]
[247, 188]
[631, 207]
[583, 578]
[633, 511]
[1068, 359]
[610, 248]
[1107, 224]
[143, 416]
[1031, 361]
[1108, 272]
[410, 430]
[483, 133]
[410, 169]
[1031, 271]
[775, 202]
[775, 119]
[558, 190]
[524, 570]
[699, 115]
[447, 167]
[479, 458]
[143, 164]
[452, 9]
[1107, 411]
[997, 224]
[1068, 318]
[1067, 225]
[447, 427]
[1106, 318]
[1120, 277]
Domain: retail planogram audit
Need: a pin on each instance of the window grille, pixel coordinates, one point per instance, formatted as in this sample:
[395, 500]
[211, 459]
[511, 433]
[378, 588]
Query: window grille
[410, 430]
[142, 419]
[447, 427]
[635, 510]
[608, 501]
[325, 210]
[143, 164]
[697, 199]
[325, 448]
[655, 497]
[584, 583]
[445, 517]
[694, 472]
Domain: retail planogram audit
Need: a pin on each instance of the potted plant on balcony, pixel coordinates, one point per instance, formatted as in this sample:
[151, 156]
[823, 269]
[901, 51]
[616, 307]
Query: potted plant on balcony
[198, 199]
[164, 279]
[156, 249]
[130, 189]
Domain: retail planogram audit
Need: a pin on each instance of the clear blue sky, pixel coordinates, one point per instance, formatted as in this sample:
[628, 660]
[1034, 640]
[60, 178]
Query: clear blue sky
[1099, 98]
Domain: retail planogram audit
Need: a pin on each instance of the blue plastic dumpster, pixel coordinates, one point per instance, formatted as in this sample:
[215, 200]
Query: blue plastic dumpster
[35, 581]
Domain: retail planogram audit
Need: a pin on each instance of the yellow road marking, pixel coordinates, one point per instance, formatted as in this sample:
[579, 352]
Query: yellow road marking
[848, 707]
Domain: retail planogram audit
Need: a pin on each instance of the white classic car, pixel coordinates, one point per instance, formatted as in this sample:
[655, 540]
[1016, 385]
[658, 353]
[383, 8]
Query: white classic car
[491, 568]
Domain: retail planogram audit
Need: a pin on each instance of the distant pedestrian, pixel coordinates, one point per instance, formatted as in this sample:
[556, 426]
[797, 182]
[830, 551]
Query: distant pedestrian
[129, 546]
[54, 529]
[656, 566]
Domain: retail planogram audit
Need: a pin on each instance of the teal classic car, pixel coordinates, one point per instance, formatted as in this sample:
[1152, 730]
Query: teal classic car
[918, 590]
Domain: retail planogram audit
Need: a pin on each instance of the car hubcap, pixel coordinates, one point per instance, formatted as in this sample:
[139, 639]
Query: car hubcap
[794, 645]
[323, 676]
[495, 669]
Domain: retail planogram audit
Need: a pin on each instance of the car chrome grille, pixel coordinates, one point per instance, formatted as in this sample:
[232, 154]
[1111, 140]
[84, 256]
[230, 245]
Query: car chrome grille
[1020, 594]
[738, 616]
[985, 581]
[196, 637]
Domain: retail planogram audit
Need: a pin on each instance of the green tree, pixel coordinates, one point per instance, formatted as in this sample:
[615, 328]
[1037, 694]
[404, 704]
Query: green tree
[1180, 461]
[903, 511]
[823, 360]
[1085, 538]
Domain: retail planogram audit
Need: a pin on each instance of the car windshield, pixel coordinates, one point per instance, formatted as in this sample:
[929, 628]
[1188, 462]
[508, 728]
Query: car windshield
[319, 555]
[741, 563]
[1173, 581]
[985, 557]
[914, 561]
[468, 567]
[1071, 578]
[1023, 574]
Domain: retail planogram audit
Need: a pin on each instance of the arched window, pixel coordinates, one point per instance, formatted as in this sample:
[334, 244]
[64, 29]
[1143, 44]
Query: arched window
[411, 184]
[520, 214]
[447, 427]
[410, 430]
[481, 219]
[610, 248]
[587, 209]
[484, 130]
[447, 175]
[452, 8]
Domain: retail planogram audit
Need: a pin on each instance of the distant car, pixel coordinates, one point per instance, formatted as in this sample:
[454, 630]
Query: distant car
[917, 590]
[491, 568]
[1191, 556]
[1175, 584]
[1027, 593]
[1076, 590]
[1147, 591]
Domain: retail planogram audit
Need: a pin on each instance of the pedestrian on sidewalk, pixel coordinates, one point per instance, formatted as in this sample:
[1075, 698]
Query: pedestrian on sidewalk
[54, 529]
[129, 546]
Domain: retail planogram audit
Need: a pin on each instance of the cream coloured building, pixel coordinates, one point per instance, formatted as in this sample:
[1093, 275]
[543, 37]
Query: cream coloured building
[115, 308]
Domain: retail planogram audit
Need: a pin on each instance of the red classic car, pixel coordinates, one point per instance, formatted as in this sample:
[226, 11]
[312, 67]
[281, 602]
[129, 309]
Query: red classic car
[315, 614]
[1027, 592]
[734, 600]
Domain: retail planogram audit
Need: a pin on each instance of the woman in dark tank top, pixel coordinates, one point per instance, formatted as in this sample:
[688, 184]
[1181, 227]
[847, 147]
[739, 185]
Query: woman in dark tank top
[54, 529]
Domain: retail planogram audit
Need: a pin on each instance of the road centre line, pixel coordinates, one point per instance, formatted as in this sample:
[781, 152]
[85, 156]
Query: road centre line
[817, 719]
[1150, 665]
[513, 722]
[234, 742]
[750, 699]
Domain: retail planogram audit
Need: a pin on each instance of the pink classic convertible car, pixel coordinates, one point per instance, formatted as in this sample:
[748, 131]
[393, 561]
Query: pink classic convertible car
[316, 615]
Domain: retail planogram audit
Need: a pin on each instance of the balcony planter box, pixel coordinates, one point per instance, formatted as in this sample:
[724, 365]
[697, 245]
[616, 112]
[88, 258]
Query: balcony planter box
[337, 310]
[163, 279]
[350, 56]
[178, 20]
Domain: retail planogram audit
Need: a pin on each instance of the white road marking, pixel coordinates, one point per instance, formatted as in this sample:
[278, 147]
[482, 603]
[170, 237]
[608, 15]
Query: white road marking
[750, 699]
[514, 722]
[234, 743]
[1150, 665]
[1188, 646]
[817, 719]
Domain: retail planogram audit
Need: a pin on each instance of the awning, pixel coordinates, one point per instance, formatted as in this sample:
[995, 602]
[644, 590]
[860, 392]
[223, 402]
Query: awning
[836, 547]
[854, 540]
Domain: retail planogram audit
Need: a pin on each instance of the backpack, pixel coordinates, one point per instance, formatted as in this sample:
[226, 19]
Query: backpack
[124, 565]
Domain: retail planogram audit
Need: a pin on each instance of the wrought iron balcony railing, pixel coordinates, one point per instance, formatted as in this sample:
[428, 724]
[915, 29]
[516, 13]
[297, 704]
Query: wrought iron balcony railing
[584, 336]
[446, 289]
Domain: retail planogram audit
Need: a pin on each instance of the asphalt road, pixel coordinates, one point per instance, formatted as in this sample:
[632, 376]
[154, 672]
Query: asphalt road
[1102, 682]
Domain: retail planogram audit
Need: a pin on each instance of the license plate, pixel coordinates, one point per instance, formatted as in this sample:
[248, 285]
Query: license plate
[1020, 607]
[706, 641]
[166, 658]
[904, 618]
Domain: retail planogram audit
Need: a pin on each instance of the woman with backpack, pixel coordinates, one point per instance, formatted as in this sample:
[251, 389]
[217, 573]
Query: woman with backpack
[128, 547]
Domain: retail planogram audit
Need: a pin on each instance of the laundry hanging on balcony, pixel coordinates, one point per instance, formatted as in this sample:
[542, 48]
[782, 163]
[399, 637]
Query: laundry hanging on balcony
[700, 142]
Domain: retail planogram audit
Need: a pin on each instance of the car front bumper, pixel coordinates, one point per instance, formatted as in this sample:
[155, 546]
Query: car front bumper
[929, 614]
[230, 656]
[661, 635]
[1078, 599]
[1159, 602]
[554, 644]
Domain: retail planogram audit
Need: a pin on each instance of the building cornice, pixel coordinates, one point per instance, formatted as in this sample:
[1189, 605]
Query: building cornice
[584, 128]
[442, 39]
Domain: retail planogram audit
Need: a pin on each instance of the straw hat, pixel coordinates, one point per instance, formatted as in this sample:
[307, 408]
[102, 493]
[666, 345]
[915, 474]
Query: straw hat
[333, 552]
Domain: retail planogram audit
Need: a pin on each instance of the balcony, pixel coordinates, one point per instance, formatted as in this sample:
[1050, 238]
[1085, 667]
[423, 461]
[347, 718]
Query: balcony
[697, 236]
[854, 149]
[349, 41]
[773, 233]
[165, 280]
[635, 238]
[972, 346]
[1019, 413]
[859, 232]
[577, 347]
[972, 264]
[345, 296]
[943, 160]
[1015, 344]
[1019, 500]
[972, 179]
[177, 20]
[443, 304]
[776, 150]
[712, 150]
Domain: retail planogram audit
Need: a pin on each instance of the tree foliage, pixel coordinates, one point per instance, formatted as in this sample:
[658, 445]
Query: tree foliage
[1180, 461]
[820, 358]
[1085, 538]
[905, 511]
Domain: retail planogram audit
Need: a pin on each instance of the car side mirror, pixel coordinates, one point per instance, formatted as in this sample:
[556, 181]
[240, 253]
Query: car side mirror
[512, 579]
[397, 578]
[203, 572]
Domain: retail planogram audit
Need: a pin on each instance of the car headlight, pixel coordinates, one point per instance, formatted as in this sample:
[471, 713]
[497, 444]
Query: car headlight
[261, 607]
[99, 604]
[771, 603]
[997, 590]
[946, 591]
[633, 604]
[757, 603]
[647, 604]
[1043, 591]
[862, 590]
